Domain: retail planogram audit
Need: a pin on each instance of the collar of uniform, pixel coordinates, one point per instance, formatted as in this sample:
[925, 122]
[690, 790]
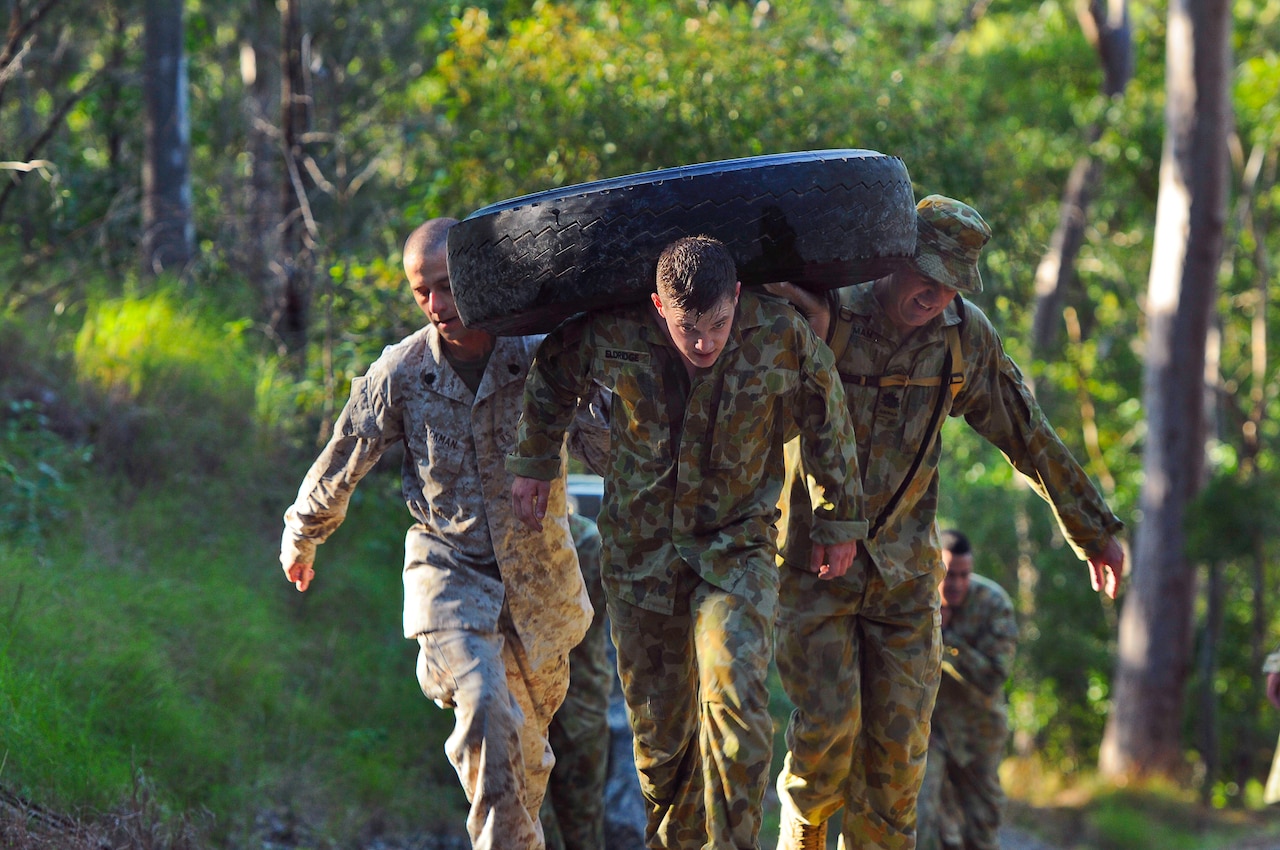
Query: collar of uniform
[505, 366]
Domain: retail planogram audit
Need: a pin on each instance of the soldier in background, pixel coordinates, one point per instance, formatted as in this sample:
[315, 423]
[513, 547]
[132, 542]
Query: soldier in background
[573, 811]
[961, 801]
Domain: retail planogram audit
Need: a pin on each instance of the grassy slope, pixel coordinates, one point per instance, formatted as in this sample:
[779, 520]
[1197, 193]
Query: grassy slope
[152, 642]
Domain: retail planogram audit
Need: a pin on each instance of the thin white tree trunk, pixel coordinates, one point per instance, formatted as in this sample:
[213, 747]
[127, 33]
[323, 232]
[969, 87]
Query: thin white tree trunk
[1143, 734]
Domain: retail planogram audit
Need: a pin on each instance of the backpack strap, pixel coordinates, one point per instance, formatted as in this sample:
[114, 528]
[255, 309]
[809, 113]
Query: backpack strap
[842, 334]
[841, 331]
[953, 371]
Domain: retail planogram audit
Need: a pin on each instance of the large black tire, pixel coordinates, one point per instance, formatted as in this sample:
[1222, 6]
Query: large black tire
[820, 218]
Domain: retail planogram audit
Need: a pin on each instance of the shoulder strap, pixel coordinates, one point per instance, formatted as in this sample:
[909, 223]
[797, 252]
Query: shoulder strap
[842, 334]
[953, 368]
[957, 351]
[931, 434]
[841, 331]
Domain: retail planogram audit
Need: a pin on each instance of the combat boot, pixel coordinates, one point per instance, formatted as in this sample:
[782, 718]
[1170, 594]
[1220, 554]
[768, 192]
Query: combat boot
[798, 835]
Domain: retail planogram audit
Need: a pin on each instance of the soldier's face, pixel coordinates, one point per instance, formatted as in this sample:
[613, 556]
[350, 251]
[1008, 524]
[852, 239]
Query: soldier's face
[699, 337]
[428, 276]
[955, 584]
[910, 299]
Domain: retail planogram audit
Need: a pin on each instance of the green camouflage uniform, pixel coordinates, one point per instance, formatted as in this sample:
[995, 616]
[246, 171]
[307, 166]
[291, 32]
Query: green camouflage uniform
[687, 523]
[495, 607]
[859, 656]
[573, 812]
[961, 799]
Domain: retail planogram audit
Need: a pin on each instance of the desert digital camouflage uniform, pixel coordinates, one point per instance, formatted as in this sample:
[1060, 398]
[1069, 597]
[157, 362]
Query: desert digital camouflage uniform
[961, 800]
[1271, 794]
[573, 811]
[858, 738]
[494, 606]
[687, 523]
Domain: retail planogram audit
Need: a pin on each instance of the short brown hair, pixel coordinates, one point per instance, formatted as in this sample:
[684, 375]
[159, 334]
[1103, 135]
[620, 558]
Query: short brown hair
[695, 273]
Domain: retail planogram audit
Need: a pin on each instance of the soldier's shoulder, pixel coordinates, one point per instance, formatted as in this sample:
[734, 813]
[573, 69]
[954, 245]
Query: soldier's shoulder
[992, 591]
[409, 354]
[761, 312]
[974, 323]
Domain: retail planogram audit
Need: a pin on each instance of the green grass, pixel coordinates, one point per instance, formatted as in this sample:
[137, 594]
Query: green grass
[153, 659]
[1083, 812]
[153, 639]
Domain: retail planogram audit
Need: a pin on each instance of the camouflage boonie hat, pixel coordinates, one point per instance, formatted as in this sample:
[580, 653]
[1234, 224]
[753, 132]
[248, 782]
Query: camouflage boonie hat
[949, 238]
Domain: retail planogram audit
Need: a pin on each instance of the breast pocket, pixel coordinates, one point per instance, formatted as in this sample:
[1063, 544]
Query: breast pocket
[439, 454]
[639, 413]
[746, 418]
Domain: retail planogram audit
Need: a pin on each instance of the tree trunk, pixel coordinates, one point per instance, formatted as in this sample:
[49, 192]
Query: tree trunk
[1207, 737]
[168, 236]
[259, 69]
[1106, 25]
[290, 305]
[1143, 734]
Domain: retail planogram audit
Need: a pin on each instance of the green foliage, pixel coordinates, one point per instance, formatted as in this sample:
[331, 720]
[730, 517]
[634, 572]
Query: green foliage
[175, 393]
[1154, 818]
[34, 467]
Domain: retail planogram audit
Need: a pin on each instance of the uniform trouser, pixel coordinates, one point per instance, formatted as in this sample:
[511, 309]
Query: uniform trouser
[861, 662]
[961, 804]
[695, 684]
[573, 813]
[499, 743]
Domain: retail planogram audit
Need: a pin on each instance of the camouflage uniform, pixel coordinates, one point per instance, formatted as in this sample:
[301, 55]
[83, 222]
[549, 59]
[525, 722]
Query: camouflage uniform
[878, 625]
[1271, 794]
[494, 606]
[687, 523]
[961, 798]
[573, 812]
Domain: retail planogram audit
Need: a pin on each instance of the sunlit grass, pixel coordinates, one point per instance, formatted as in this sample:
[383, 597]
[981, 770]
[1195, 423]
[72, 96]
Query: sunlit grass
[149, 644]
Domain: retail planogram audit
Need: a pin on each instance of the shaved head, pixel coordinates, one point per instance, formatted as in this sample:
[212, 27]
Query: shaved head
[427, 238]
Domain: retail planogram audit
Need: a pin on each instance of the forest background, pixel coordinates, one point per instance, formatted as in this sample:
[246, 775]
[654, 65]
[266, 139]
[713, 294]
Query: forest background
[185, 299]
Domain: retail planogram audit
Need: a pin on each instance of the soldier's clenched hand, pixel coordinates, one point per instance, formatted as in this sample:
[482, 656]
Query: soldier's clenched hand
[832, 560]
[300, 574]
[529, 500]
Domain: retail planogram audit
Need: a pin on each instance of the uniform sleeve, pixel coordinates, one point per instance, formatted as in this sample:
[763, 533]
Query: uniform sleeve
[984, 660]
[996, 403]
[828, 449]
[364, 430]
[557, 378]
